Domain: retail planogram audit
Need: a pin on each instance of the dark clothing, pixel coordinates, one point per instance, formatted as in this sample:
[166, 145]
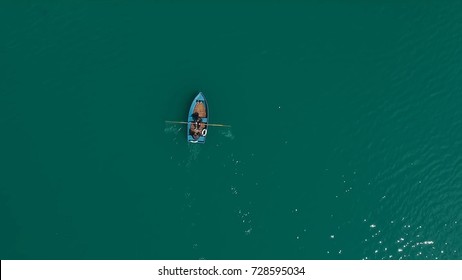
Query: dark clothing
[195, 116]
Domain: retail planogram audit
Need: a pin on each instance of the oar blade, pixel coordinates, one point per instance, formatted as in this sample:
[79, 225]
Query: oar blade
[176, 122]
[217, 124]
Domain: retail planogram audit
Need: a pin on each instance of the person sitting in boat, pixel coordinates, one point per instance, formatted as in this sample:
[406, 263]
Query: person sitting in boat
[198, 123]
[196, 119]
[195, 116]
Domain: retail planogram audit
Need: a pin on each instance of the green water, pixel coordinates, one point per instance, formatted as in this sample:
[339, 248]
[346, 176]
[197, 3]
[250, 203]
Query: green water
[346, 133]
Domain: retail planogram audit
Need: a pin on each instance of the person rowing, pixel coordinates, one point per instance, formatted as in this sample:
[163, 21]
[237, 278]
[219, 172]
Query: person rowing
[197, 119]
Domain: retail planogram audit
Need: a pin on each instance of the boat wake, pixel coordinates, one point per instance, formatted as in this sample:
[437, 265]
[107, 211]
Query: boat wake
[194, 151]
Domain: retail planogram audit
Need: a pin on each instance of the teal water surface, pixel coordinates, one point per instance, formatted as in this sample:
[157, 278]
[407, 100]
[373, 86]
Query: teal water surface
[345, 143]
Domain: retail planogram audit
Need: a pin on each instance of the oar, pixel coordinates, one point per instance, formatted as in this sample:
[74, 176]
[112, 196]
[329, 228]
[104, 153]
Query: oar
[210, 124]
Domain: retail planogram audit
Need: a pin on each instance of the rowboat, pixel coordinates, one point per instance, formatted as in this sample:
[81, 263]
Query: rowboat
[198, 120]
